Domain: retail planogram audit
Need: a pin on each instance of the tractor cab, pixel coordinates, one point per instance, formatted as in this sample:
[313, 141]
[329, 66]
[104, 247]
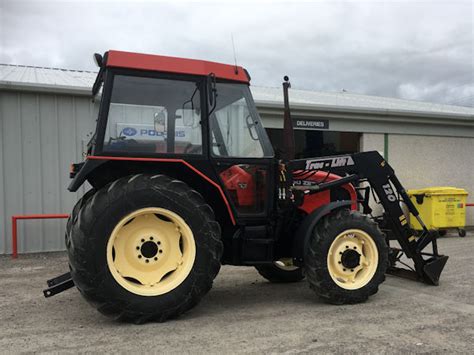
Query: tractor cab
[161, 109]
[154, 105]
[174, 109]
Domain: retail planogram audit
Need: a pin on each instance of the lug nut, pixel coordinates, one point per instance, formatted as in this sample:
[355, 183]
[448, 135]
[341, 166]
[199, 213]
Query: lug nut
[151, 238]
[143, 240]
[147, 261]
[139, 256]
[138, 248]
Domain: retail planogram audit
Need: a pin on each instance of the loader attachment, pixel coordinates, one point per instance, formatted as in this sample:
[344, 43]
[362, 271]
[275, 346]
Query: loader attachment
[371, 168]
[428, 272]
[433, 268]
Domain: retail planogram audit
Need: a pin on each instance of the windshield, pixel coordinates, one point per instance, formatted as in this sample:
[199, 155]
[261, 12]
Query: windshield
[235, 125]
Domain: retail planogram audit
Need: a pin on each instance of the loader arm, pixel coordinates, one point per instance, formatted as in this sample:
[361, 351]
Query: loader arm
[372, 168]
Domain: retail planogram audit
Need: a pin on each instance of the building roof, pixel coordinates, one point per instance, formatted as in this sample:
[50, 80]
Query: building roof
[19, 77]
[351, 101]
[23, 77]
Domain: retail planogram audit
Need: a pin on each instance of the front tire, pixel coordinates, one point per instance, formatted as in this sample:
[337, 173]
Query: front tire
[144, 248]
[347, 258]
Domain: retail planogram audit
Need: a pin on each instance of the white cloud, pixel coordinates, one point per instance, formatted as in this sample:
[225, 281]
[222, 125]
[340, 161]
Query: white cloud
[420, 50]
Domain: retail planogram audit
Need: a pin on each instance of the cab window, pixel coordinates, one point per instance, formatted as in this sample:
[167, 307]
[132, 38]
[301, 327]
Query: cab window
[235, 129]
[153, 115]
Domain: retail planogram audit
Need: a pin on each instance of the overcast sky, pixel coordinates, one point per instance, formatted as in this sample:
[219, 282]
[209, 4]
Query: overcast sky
[415, 50]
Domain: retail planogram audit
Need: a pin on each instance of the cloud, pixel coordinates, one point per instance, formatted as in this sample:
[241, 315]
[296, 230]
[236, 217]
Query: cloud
[413, 50]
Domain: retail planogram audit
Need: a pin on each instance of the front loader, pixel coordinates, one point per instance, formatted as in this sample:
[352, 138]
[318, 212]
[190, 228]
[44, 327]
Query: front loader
[184, 179]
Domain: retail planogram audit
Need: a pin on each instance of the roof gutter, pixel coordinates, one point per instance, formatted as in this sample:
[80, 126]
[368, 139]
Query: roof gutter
[367, 111]
[46, 88]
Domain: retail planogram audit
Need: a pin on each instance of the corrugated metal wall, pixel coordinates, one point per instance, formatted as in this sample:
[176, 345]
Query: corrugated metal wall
[41, 134]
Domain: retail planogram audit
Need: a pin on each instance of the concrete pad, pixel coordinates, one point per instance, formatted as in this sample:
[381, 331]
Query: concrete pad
[245, 313]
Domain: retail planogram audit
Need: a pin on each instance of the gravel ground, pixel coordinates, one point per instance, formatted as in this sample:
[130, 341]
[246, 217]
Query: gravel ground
[244, 313]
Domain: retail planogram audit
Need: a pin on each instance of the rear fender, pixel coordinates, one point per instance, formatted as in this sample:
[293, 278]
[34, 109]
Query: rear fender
[306, 228]
[82, 175]
[99, 171]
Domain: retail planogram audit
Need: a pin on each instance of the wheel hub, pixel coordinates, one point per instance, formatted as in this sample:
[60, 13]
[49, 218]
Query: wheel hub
[149, 249]
[350, 259]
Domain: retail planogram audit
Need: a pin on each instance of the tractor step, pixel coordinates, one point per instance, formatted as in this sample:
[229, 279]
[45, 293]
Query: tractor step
[58, 284]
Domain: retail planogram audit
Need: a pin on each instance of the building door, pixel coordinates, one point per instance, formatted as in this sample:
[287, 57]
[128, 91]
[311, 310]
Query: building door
[316, 143]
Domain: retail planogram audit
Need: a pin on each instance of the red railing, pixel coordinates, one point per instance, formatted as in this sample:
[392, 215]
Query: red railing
[31, 216]
[51, 216]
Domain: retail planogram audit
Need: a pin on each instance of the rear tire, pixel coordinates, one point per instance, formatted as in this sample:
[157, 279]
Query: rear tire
[280, 274]
[107, 261]
[75, 211]
[347, 258]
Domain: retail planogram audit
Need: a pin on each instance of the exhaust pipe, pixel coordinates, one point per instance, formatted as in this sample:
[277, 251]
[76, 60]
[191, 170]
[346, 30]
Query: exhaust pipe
[288, 132]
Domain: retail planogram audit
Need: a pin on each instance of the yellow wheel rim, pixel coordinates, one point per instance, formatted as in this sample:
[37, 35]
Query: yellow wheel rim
[151, 251]
[286, 264]
[352, 259]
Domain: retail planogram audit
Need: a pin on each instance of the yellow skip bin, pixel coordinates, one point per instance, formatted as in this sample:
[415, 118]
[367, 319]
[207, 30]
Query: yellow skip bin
[439, 207]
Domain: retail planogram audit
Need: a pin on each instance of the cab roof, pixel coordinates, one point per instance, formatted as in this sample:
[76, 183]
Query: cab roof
[129, 60]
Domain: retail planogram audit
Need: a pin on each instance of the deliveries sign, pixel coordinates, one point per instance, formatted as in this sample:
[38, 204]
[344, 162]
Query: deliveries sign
[312, 123]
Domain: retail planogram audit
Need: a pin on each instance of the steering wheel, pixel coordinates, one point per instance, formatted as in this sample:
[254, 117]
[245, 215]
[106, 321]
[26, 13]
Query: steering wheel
[192, 149]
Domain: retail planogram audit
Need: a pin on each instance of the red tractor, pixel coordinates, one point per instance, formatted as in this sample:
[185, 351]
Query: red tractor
[184, 179]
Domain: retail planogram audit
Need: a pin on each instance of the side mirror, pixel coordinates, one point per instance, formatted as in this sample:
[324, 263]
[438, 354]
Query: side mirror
[189, 117]
[211, 92]
[160, 121]
[98, 60]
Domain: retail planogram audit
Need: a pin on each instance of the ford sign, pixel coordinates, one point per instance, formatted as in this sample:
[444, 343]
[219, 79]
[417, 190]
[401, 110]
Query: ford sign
[129, 131]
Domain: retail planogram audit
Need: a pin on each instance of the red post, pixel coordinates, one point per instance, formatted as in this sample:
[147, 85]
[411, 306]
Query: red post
[14, 239]
[31, 216]
[470, 204]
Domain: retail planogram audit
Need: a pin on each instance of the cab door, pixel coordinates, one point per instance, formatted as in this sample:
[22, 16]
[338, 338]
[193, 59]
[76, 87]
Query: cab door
[241, 153]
